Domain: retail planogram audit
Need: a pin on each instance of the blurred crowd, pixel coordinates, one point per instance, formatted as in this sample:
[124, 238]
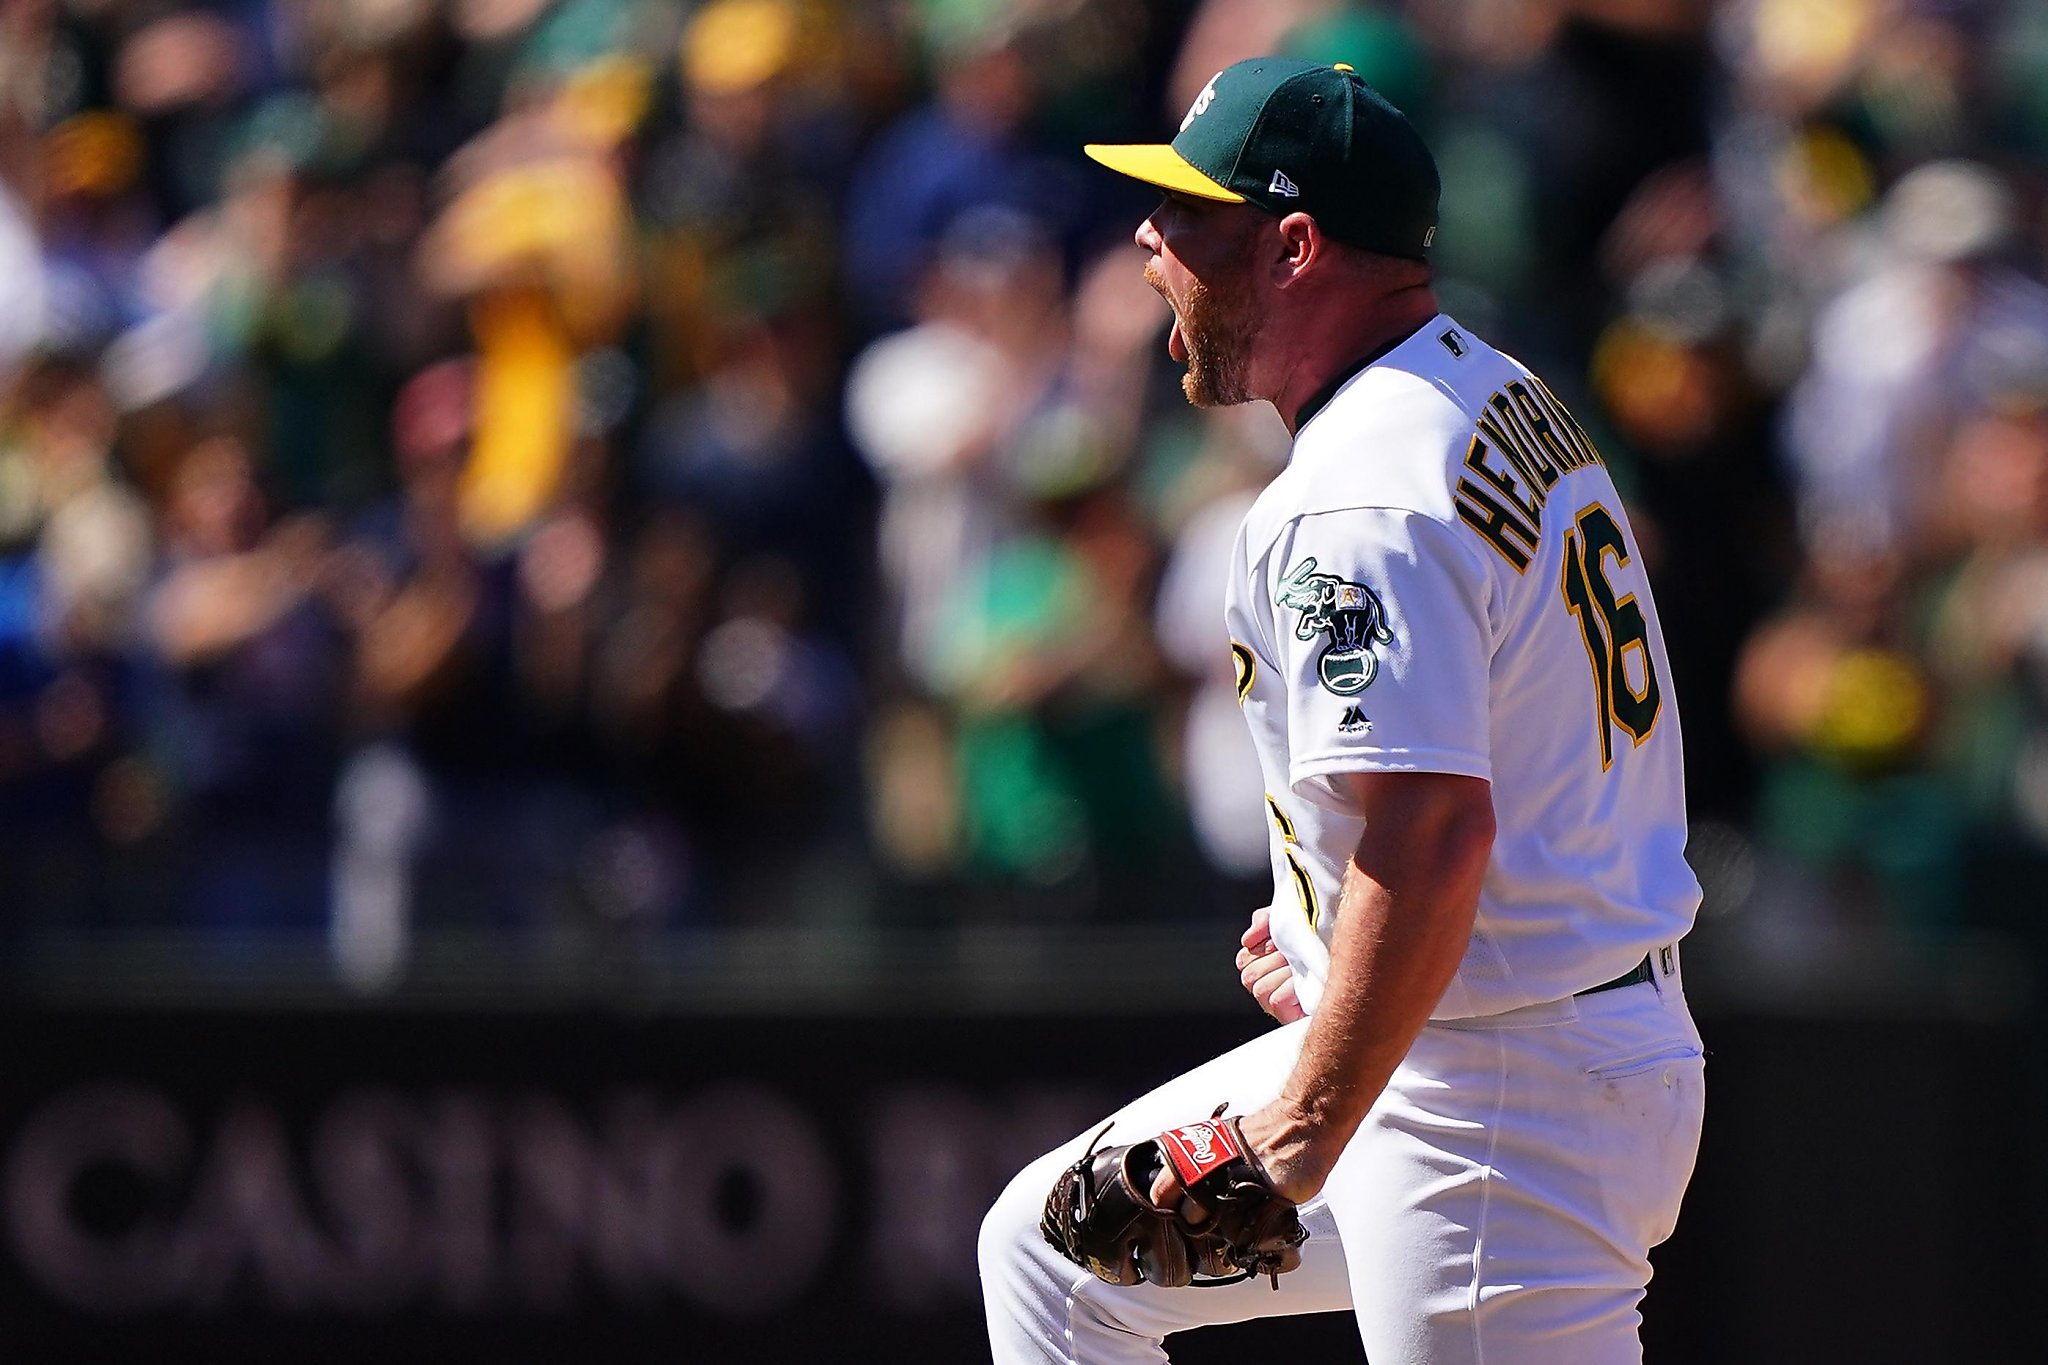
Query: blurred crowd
[531, 465]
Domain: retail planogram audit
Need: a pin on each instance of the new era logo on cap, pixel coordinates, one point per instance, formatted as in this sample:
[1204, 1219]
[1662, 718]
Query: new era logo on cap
[1282, 185]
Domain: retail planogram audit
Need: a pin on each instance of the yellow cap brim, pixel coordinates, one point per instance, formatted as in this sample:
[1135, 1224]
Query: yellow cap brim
[1156, 163]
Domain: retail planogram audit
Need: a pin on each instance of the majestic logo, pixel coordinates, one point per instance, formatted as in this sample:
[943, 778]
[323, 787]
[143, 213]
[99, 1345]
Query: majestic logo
[1201, 104]
[1283, 186]
[1354, 722]
[1351, 614]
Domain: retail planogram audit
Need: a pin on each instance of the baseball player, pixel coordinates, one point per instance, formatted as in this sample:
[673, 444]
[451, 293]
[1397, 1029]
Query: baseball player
[1483, 1104]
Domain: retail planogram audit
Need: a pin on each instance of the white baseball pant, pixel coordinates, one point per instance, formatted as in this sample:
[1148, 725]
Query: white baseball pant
[1497, 1206]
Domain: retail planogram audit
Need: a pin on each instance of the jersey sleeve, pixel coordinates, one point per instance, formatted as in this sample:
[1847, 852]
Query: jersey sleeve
[1382, 624]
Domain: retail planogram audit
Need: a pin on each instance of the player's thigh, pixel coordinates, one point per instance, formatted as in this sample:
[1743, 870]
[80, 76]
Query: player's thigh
[1496, 1206]
[1012, 1249]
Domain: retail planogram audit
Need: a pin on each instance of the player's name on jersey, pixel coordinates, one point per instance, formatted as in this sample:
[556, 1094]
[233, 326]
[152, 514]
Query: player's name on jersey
[1524, 443]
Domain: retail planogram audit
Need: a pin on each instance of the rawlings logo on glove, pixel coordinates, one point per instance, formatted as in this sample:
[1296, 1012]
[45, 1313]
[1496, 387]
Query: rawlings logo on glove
[1197, 1150]
[1100, 1214]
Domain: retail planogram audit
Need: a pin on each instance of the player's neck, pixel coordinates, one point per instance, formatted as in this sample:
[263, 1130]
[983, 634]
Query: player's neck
[1347, 342]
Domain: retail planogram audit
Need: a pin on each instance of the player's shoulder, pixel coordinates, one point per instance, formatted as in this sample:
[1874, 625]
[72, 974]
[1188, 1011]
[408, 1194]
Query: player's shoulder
[1393, 436]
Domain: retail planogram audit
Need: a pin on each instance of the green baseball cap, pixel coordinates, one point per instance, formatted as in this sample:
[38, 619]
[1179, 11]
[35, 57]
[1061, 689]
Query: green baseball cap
[1290, 136]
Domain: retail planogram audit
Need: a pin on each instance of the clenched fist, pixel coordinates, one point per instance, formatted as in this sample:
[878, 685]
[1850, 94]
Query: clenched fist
[1265, 971]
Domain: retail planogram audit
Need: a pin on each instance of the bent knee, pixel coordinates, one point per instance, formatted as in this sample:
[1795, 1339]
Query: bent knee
[1010, 1236]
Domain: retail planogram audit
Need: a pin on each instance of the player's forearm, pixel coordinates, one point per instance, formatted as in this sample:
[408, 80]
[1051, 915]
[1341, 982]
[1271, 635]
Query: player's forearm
[1395, 953]
[1405, 917]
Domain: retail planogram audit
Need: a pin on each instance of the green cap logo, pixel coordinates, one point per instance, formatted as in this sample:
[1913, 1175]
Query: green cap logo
[1201, 104]
[1286, 135]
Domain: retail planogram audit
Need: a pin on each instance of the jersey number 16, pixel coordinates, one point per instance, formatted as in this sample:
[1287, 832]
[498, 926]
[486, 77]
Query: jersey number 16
[1611, 627]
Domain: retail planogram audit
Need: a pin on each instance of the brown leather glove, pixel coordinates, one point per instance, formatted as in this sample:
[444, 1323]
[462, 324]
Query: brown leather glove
[1100, 1213]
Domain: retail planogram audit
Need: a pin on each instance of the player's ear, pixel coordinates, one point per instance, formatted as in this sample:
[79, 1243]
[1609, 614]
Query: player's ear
[1297, 246]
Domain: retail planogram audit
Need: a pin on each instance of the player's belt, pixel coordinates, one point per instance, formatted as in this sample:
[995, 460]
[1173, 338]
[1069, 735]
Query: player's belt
[1634, 976]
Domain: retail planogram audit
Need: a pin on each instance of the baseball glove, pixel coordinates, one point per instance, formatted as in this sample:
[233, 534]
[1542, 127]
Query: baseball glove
[1100, 1213]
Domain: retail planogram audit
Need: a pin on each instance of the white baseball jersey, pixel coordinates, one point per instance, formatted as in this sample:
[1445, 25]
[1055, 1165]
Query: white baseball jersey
[1443, 580]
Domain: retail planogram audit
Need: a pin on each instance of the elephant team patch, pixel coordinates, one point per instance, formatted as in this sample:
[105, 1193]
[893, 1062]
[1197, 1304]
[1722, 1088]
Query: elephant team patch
[1351, 614]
